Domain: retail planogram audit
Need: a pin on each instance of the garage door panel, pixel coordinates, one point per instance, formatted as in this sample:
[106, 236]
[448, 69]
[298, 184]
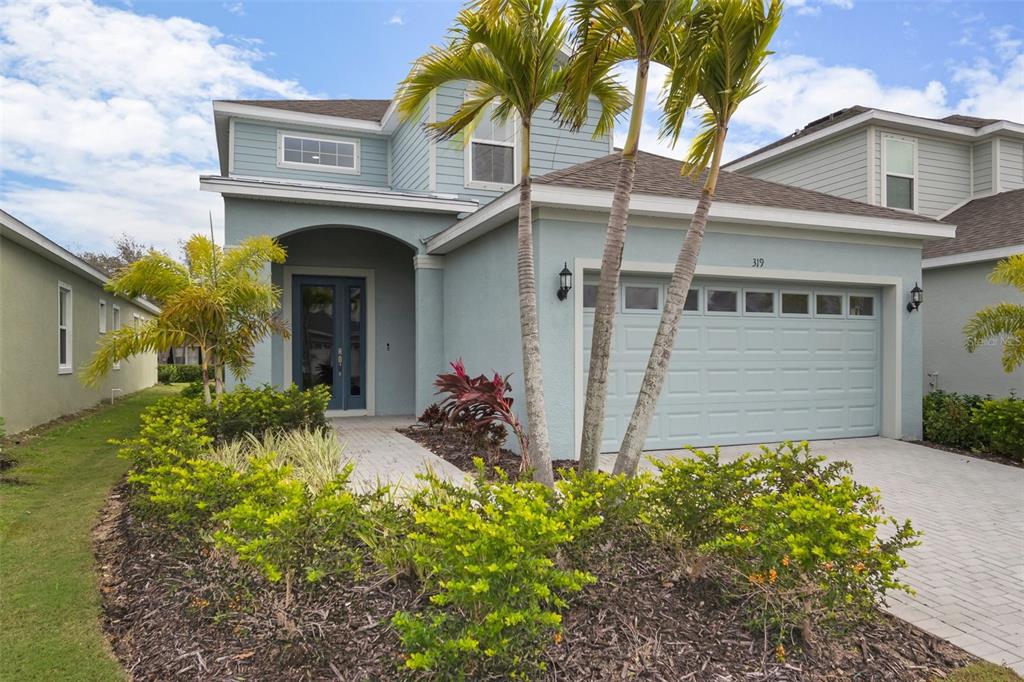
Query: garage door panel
[748, 379]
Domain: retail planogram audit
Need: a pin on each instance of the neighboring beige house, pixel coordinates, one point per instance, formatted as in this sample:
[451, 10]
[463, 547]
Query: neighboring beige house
[963, 170]
[53, 311]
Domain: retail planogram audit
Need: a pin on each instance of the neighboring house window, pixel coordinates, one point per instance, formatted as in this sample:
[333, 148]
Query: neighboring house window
[103, 316]
[900, 172]
[63, 328]
[491, 153]
[336, 154]
[115, 325]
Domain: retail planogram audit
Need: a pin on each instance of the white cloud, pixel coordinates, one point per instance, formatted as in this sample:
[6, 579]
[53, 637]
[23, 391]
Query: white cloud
[1005, 46]
[396, 19]
[107, 119]
[813, 7]
[235, 8]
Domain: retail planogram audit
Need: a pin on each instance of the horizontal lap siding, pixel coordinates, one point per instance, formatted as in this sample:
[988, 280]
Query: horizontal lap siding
[983, 168]
[410, 154]
[944, 175]
[256, 155]
[837, 167]
[1011, 165]
[552, 147]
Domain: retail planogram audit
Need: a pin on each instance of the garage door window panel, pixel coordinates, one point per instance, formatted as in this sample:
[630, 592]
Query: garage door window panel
[641, 297]
[692, 303]
[795, 304]
[861, 306]
[720, 301]
[758, 302]
[828, 305]
[590, 295]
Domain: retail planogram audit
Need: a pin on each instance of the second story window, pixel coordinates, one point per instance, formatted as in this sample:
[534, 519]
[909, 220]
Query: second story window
[900, 172]
[335, 154]
[491, 155]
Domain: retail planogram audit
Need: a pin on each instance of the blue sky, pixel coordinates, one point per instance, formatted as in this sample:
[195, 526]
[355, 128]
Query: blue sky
[126, 87]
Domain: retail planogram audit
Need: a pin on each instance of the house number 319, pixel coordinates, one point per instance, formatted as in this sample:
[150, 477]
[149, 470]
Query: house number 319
[757, 263]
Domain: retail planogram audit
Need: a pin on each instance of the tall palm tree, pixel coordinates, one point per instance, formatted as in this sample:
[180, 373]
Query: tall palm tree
[217, 301]
[511, 60]
[720, 62]
[1004, 320]
[608, 33]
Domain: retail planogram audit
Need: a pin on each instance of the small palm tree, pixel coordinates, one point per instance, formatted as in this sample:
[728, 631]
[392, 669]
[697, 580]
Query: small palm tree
[608, 33]
[719, 60]
[510, 55]
[1004, 320]
[218, 302]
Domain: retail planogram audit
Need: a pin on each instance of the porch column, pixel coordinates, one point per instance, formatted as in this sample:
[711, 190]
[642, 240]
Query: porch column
[429, 326]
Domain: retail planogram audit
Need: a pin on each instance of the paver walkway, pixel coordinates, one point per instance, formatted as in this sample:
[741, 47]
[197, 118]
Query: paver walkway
[969, 570]
[382, 455]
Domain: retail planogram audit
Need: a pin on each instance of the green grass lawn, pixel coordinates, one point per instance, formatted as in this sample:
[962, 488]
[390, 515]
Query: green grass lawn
[984, 672]
[49, 602]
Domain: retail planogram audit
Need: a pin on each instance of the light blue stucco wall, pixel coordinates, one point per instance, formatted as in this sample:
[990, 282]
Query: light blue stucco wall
[382, 240]
[481, 314]
[256, 154]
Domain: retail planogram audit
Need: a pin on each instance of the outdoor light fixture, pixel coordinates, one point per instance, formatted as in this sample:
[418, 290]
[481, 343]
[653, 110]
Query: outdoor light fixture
[916, 296]
[564, 282]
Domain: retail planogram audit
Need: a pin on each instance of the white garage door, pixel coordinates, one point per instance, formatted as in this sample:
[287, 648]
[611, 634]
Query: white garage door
[753, 363]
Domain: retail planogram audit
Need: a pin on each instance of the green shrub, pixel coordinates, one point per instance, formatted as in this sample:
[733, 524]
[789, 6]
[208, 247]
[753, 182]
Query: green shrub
[618, 501]
[948, 420]
[799, 540]
[172, 432]
[258, 410]
[285, 529]
[488, 554]
[314, 456]
[174, 374]
[190, 494]
[192, 390]
[1002, 422]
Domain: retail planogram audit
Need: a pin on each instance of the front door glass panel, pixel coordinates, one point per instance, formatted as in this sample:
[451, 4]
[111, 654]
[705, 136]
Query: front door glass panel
[355, 337]
[318, 336]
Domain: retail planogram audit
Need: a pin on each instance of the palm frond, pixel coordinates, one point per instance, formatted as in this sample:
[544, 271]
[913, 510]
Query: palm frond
[1003, 321]
[1010, 271]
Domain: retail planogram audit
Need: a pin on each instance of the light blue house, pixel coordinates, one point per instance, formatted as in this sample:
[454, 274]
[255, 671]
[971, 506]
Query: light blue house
[401, 258]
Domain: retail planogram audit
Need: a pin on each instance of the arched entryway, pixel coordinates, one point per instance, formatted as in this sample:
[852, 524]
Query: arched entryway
[348, 294]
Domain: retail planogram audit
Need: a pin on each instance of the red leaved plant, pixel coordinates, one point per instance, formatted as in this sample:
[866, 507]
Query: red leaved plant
[480, 400]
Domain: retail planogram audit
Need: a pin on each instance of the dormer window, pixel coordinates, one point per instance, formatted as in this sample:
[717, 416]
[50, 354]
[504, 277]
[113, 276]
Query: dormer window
[491, 154]
[899, 157]
[315, 152]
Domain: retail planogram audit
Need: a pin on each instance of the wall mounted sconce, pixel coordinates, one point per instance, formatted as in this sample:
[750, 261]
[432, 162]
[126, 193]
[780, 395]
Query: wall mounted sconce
[564, 282]
[916, 296]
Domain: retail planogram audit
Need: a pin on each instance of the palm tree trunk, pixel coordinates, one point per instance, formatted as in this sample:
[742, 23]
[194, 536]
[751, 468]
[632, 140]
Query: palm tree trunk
[628, 459]
[206, 377]
[529, 324]
[608, 284]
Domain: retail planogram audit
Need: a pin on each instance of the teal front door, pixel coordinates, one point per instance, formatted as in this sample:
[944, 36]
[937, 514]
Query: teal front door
[328, 333]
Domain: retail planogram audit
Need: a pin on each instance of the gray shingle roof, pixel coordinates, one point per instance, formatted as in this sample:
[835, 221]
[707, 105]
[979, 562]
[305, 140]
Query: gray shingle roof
[659, 175]
[987, 223]
[360, 109]
[849, 112]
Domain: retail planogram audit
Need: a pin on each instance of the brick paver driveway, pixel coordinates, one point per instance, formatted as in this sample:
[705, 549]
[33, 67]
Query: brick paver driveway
[969, 570]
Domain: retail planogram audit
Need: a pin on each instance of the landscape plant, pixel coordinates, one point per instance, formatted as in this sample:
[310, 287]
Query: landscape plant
[717, 61]
[1002, 422]
[510, 56]
[1004, 321]
[489, 556]
[479, 404]
[218, 301]
[948, 419]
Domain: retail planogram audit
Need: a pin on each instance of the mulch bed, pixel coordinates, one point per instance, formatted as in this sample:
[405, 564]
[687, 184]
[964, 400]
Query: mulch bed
[989, 456]
[457, 447]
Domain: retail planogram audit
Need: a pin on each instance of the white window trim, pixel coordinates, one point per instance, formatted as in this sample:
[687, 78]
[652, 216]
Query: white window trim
[103, 316]
[886, 173]
[470, 183]
[755, 290]
[115, 323]
[874, 307]
[810, 303]
[281, 163]
[642, 311]
[68, 326]
[826, 316]
[730, 313]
